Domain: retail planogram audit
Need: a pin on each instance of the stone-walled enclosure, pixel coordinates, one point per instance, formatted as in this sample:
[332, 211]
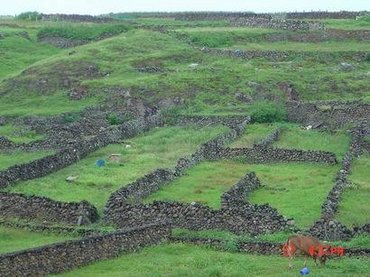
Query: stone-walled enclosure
[139, 223]
[64, 256]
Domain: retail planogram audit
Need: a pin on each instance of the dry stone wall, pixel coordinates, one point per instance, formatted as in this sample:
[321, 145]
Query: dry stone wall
[327, 227]
[330, 114]
[64, 256]
[75, 151]
[14, 205]
[277, 24]
[263, 154]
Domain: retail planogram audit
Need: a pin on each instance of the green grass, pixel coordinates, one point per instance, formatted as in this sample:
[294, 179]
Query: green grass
[348, 24]
[43, 105]
[254, 133]
[19, 134]
[294, 137]
[285, 186]
[354, 207]
[16, 52]
[14, 239]
[161, 147]
[8, 159]
[82, 31]
[186, 260]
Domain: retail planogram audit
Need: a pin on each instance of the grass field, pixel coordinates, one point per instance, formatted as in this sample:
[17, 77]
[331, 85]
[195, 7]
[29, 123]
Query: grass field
[161, 147]
[189, 260]
[17, 157]
[357, 212]
[285, 186]
[36, 79]
[14, 240]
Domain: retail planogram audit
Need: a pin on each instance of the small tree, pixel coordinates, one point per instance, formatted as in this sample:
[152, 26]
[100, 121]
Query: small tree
[32, 16]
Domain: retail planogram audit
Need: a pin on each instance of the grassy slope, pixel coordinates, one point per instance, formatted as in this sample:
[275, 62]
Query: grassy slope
[17, 52]
[17, 157]
[157, 148]
[210, 88]
[14, 239]
[187, 260]
[357, 212]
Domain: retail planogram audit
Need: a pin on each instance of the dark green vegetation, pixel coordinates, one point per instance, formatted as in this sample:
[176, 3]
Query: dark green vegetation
[36, 79]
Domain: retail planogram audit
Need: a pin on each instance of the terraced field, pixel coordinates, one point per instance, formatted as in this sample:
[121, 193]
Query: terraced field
[210, 137]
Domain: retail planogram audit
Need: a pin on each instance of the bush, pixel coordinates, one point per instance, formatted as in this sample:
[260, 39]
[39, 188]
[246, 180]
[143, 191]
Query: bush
[114, 119]
[266, 112]
[33, 16]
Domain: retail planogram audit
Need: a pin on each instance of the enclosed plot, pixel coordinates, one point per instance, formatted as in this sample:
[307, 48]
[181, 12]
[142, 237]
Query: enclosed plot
[123, 163]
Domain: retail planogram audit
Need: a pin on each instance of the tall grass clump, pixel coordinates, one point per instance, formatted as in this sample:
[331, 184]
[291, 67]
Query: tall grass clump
[266, 112]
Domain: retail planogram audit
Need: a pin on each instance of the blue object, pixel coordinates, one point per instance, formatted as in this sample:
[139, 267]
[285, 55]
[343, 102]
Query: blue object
[304, 271]
[100, 163]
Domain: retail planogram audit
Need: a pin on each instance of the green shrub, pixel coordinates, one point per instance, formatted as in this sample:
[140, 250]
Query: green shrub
[266, 112]
[114, 119]
[69, 118]
[367, 58]
[33, 16]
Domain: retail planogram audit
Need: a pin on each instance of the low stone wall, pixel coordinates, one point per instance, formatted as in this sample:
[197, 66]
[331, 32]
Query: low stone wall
[323, 15]
[143, 187]
[262, 154]
[277, 24]
[246, 218]
[76, 18]
[280, 56]
[14, 205]
[64, 256]
[331, 114]
[270, 138]
[232, 121]
[75, 151]
[238, 193]
[326, 227]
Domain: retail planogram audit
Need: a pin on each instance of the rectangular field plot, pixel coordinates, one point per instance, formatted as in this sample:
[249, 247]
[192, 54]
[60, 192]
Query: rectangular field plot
[8, 159]
[161, 147]
[294, 137]
[254, 133]
[14, 239]
[354, 207]
[297, 190]
[189, 260]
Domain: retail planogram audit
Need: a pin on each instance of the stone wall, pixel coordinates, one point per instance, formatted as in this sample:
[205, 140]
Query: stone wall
[76, 18]
[327, 227]
[14, 205]
[323, 15]
[292, 25]
[143, 187]
[246, 218]
[238, 193]
[270, 138]
[262, 154]
[278, 56]
[64, 256]
[330, 114]
[75, 151]
[235, 215]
